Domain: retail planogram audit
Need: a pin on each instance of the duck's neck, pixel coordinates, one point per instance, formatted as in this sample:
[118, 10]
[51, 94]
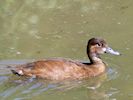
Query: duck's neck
[94, 58]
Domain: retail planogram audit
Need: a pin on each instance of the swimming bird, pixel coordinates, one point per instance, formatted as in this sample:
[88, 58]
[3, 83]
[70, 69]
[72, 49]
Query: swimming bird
[63, 69]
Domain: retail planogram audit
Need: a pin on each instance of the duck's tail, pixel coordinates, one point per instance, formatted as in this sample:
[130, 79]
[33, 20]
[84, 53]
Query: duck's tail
[18, 72]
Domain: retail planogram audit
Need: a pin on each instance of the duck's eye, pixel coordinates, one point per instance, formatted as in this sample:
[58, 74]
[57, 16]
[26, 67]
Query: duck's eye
[98, 45]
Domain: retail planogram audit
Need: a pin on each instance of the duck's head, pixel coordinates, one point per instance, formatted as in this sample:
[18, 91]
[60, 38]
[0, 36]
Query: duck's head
[97, 46]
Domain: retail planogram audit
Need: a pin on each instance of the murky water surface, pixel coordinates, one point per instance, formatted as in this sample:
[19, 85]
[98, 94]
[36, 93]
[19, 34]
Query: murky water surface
[35, 29]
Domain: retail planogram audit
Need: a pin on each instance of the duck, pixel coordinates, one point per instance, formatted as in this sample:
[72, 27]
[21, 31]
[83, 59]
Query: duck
[64, 69]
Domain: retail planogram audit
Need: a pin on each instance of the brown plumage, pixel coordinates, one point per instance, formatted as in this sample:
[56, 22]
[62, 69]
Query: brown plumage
[61, 69]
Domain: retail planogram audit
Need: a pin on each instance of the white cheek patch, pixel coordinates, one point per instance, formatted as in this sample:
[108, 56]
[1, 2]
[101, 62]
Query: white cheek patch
[104, 49]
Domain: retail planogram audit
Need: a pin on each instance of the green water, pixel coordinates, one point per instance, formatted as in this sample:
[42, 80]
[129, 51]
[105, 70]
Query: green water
[36, 29]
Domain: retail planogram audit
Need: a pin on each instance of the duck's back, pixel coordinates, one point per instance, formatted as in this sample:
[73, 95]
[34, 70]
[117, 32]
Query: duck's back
[54, 69]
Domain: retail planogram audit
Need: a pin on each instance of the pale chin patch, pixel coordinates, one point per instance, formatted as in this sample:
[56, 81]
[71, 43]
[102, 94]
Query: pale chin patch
[96, 59]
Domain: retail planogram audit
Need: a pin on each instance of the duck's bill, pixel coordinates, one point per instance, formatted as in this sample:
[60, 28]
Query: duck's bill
[111, 51]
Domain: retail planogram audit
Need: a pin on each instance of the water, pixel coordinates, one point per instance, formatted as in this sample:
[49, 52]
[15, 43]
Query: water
[36, 29]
